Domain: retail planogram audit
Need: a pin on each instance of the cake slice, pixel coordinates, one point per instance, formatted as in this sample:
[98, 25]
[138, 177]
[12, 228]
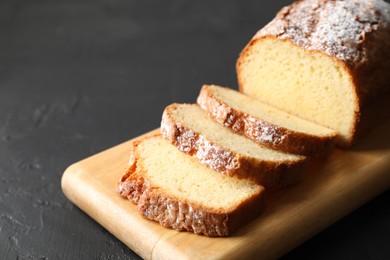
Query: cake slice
[179, 192]
[265, 124]
[189, 128]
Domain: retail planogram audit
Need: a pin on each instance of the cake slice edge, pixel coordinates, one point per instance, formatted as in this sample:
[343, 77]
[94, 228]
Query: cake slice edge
[262, 131]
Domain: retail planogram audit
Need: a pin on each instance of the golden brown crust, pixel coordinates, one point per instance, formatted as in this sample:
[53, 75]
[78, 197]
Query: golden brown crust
[261, 131]
[356, 33]
[181, 214]
[226, 161]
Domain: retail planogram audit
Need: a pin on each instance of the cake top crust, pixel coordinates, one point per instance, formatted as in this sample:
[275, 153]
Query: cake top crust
[336, 27]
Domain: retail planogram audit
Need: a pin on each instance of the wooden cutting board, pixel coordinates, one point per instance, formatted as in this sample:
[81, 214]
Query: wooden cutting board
[333, 187]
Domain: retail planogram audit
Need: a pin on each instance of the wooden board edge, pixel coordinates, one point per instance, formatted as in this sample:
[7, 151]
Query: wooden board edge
[87, 204]
[81, 192]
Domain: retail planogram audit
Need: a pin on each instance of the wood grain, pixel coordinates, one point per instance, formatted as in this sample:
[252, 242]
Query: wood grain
[332, 188]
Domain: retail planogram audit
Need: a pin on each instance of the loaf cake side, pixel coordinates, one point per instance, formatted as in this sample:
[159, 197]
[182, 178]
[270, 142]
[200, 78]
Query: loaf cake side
[322, 60]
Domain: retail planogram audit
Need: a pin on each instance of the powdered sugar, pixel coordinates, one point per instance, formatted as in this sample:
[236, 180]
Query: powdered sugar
[338, 28]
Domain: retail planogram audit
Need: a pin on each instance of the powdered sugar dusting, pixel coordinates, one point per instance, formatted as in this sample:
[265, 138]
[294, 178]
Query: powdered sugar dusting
[338, 28]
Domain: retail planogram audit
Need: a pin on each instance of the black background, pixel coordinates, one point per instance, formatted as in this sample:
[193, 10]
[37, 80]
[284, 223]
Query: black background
[78, 77]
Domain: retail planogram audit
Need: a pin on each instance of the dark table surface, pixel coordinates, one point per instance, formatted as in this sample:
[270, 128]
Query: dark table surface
[78, 77]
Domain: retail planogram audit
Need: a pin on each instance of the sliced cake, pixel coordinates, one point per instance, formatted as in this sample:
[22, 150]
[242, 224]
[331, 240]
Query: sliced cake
[265, 124]
[189, 128]
[323, 60]
[179, 192]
